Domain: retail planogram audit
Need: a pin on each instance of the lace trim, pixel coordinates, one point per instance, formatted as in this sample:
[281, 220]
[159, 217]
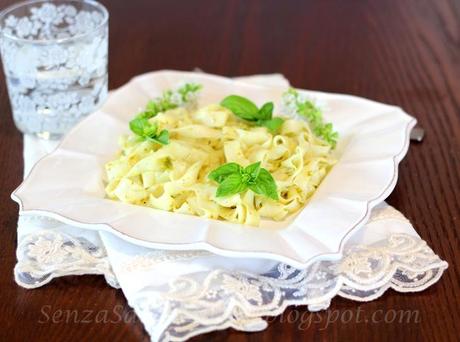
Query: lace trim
[207, 301]
[387, 213]
[48, 254]
[147, 261]
[204, 302]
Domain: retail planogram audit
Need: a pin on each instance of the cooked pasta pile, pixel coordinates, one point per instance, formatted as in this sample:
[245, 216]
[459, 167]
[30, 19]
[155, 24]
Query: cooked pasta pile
[174, 177]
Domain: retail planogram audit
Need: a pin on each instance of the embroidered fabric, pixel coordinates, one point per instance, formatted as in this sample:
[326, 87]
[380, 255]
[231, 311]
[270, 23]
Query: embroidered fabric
[48, 254]
[205, 301]
[222, 299]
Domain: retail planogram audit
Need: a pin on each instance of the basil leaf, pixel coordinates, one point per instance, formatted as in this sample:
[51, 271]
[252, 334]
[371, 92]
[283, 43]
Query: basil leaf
[266, 112]
[224, 171]
[163, 137]
[137, 125]
[233, 184]
[241, 107]
[273, 125]
[234, 179]
[265, 185]
[150, 130]
[252, 171]
[147, 130]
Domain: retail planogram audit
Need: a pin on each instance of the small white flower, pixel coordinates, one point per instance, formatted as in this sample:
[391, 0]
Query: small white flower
[97, 18]
[68, 10]
[47, 13]
[23, 27]
[70, 21]
[11, 21]
[83, 23]
[176, 98]
[36, 27]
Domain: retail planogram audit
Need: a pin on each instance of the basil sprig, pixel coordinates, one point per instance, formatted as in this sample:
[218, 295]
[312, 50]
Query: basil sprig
[170, 99]
[147, 130]
[247, 110]
[299, 105]
[233, 179]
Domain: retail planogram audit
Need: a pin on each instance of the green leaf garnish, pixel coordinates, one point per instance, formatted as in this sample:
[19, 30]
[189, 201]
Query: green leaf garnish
[241, 107]
[266, 111]
[137, 126]
[247, 110]
[146, 130]
[231, 185]
[273, 125]
[170, 99]
[163, 137]
[222, 172]
[265, 185]
[252, 171]
[233, 179]
[297, 104]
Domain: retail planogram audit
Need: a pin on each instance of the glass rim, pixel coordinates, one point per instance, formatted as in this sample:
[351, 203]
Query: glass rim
[17, 5]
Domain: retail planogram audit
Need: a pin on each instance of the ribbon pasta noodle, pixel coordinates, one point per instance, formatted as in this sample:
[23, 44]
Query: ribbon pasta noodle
[173, 177]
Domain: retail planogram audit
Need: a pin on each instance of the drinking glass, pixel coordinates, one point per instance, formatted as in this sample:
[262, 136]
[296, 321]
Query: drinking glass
[54, 57]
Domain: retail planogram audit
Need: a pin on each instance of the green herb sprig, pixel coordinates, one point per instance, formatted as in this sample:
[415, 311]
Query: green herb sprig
[147, 130]
[234, 179]
[247, 110]
[297, 104]
[170, 99]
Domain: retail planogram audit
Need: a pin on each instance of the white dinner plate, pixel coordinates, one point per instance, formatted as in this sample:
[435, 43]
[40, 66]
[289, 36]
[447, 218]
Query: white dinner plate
[68, 184]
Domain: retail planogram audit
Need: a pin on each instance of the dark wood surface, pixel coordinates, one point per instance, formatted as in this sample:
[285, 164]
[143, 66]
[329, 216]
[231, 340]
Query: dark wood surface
[403, 52]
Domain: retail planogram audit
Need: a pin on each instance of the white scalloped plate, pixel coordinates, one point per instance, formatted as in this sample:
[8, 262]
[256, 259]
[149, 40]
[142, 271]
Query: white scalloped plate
[68, 183]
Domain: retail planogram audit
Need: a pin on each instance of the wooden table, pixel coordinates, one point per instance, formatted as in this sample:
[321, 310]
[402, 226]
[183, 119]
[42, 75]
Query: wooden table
[405, 53]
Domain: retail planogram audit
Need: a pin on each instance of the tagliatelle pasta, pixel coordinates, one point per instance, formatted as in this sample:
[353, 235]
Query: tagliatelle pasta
[174, 177]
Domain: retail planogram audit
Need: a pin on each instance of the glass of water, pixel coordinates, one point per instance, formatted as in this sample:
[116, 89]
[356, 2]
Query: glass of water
[55, 62]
